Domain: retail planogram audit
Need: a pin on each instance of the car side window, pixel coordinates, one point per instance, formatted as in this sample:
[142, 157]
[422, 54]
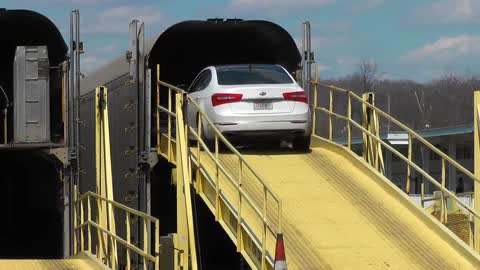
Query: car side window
[202, 81]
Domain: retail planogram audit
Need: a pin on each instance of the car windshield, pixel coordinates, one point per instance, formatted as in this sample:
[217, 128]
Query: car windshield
[253, 74]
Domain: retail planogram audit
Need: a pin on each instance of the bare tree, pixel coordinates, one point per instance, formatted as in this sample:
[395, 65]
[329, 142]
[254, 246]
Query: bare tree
[367, 71]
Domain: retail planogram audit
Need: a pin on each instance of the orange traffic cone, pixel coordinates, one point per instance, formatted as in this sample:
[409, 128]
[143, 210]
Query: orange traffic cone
[280, 259]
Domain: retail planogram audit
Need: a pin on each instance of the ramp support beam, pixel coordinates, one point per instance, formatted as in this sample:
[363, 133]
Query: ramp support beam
[185, 223]
[104, 182]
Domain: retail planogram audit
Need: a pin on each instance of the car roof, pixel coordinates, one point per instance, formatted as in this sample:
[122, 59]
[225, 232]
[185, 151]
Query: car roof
[223, 67]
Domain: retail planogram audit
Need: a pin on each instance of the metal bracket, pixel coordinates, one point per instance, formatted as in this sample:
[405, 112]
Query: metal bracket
[148, 158]
[131, 196]
[72, 154]
[129, 82]
[130, 150]
[131, 128]
[152, 159]
[62, 154]
[130, 105]
[128, 56]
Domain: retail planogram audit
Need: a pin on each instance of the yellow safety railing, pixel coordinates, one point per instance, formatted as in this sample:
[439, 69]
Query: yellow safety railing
[371, 138]
[86, 229]
[271, 222]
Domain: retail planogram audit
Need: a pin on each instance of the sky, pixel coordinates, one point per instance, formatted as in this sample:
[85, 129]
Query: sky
[408, 39]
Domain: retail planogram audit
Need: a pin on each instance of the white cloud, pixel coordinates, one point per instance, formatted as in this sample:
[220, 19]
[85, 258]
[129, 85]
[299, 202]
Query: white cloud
[75, 3]
[276, 7]
[97, 56]
[91, 61]
[322, 68]
[446, 50]
[450, 11]
[116, 19]
[321, 42]
[365, 5]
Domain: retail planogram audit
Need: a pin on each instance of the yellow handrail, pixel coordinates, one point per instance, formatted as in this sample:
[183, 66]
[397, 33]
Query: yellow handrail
[401, 156]
[112, 255]
[259, 209]
[368, 135]
[414, 134]
[221, 137]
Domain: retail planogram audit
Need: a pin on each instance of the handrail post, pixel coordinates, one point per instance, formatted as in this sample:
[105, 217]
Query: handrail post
[349, 124]
[127, 249]
[82, 218]
[409, 169]
[330, 117]
[145, 241]
[217, 182]
[366, 126]
[315, 101]
[75, 208]
[476, 135]
[157, 245]
[239, 219]
[199, 145]
[280, 228]
[443, 212]
[158, 110]
[89, 229]
[169, 145]
[264, 232]
[422, 193]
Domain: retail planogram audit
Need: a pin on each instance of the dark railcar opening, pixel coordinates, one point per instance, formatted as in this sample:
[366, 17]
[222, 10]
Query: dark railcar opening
[184, 49]
[164, 197]
[31, 206]
[216, 249]
[28, 28]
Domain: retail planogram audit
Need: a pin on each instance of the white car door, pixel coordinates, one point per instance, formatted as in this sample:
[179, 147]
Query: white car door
[197, 92]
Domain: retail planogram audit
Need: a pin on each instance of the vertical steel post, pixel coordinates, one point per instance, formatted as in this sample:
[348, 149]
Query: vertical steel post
[74, 169]
[185, 221]
[443, 212]
[476, 105]
[330, 117]
[128, 236]
[307, 59]
[89, 229]
[71, 84]
[409, 169]
[78, 51]
[349, 124]
[157, 245]
[74, 217]
[158, 110]
[315, 102]
[365, 125]
[239, 219]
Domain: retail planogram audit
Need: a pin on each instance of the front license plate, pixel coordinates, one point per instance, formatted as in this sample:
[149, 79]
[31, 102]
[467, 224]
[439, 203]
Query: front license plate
[262, 106]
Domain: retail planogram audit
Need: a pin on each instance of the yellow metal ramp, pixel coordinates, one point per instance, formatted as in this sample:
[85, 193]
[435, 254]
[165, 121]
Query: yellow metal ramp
[334, 208]
[340, 214]
[79, 261]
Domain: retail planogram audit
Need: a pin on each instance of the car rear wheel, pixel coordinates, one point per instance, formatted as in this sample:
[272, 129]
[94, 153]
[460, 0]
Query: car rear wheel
[301, 143]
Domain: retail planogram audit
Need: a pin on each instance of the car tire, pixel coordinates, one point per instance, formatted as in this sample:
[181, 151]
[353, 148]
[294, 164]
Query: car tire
[302, 143]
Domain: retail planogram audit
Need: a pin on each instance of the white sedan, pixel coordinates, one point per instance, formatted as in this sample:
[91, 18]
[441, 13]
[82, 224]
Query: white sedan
[250, 103]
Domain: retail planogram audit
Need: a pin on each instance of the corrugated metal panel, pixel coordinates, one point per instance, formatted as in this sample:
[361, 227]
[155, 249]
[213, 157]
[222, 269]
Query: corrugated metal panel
[128, 180]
